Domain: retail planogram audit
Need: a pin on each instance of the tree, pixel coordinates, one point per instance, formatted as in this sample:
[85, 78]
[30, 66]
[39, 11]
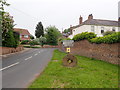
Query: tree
[66, 30]
[9, 39]
[39, 30]
[52, 35]
[42, 40]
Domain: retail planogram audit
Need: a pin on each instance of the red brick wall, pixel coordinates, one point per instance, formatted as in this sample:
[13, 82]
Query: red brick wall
[105, 52]
[8, 50]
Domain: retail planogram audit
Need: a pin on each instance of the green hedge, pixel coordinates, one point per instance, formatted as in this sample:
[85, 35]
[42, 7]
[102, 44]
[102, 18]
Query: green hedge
[109, 39]
[84, 35]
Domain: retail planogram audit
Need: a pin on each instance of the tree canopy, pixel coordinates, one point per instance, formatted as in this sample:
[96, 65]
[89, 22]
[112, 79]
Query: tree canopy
[39, 30]
[52, 35]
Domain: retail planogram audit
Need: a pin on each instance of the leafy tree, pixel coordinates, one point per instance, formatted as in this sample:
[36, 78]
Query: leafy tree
[42, 40]
[39, 30]
[9, 39]
[17, 38]
[52, 35]
[66, 31]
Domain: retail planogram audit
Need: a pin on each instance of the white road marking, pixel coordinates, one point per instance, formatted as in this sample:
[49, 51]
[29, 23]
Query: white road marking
[36, 54]
[9, 66]
[28, 58]
[39, 52]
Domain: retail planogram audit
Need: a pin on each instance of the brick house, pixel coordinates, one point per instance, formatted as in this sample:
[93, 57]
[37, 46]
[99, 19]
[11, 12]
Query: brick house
[24, 34]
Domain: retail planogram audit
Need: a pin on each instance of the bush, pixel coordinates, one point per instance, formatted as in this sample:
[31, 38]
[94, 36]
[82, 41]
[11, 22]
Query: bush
[9, 39]
[32, 43]
[25, 42]
[109, 39]
[108, 33]
[61, 39]
[84, 35]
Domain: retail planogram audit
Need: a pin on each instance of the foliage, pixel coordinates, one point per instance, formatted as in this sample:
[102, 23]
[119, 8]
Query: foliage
[84, 35]
[42, 40]
[61, 39]
[52, 35]
[66, 30]
[108, 33]
[31, 37]
[39, 30]
[2, 4]
[87, 74]
[9, 39]
[109, 39]
[17, 38]
[25, 42]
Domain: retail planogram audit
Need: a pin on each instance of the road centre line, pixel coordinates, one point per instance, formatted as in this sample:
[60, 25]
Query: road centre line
[9, 66]
[36, 54]
[28, 58]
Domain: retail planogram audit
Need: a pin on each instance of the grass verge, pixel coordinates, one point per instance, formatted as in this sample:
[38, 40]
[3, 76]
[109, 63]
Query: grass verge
[89, 73]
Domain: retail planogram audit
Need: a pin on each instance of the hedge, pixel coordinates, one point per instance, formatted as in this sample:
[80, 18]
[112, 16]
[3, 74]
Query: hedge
[109, 39]
[83, 36]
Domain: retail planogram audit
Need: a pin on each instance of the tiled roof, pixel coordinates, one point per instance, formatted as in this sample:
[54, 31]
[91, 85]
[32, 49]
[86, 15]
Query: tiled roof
[22, 31]
[98, 22]
[101, 22]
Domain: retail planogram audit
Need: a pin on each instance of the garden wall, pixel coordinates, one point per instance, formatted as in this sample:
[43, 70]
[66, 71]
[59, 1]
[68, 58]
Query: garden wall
[8, 50]
[105, 52]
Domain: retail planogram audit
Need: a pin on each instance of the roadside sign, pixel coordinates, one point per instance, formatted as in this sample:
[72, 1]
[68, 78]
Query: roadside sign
[68, 50]
[68, 43]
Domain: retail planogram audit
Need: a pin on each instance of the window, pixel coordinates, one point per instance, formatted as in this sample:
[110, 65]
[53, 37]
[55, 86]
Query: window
[25, 36]
[102, 30]
[92, 28]
[113, 29]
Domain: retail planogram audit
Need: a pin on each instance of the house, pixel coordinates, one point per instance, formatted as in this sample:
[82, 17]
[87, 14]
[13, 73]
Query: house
[97, 26]
[24, 34]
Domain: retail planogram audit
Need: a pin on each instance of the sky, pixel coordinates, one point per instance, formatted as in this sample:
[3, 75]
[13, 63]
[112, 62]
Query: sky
[59, 13]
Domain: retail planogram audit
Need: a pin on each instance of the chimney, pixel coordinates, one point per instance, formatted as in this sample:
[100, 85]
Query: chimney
[90, 17]
[80, 20]
[119, 19]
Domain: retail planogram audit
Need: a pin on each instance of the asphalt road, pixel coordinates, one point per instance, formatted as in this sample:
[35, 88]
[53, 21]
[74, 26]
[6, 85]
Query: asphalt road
[20, 69]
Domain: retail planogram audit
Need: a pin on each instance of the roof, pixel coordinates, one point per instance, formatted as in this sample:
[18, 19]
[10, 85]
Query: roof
[98, 22]
[22, 31]
[101, 22]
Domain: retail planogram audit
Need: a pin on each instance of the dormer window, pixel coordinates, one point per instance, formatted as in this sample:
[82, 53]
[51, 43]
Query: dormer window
[113, 29]
[92, 28]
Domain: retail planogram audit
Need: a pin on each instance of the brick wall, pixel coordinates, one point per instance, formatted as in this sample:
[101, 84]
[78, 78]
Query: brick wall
[8, 50]
[105, 52]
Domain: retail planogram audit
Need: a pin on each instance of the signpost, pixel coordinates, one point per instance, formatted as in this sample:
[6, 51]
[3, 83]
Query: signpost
[69, 60]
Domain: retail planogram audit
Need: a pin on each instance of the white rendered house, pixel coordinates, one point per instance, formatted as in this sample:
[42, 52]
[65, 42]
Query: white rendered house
[97, 26]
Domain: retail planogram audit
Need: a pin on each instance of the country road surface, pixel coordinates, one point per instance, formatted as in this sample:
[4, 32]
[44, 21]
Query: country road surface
[20, 69]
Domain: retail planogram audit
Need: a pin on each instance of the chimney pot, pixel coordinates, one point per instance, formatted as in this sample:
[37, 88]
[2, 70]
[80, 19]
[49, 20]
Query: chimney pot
[90, 17]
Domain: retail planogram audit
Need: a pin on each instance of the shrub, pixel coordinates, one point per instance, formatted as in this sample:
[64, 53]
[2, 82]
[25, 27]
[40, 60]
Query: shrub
[109, 39]
[108, 33]
[9, 39]
[25, 42]
[32, 43]
[42, 40]
[84, 35]
[61, 39]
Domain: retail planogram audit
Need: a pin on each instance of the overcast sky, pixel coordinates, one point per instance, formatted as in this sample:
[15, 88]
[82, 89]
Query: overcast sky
[61, 13]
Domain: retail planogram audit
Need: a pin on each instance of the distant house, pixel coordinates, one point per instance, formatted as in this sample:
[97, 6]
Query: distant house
[97, 26]
[24, 34]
